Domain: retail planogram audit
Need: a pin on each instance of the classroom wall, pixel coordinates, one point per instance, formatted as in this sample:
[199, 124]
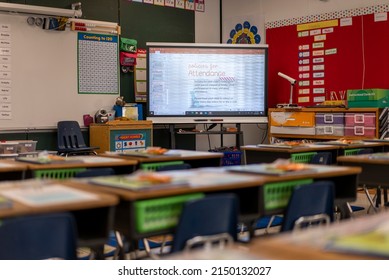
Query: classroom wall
[262, 11]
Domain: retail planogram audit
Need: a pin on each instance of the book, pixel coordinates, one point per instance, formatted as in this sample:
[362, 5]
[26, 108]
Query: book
[373, 242]
[45, 160]
[137, 183]
[269, 169]
[44, 195]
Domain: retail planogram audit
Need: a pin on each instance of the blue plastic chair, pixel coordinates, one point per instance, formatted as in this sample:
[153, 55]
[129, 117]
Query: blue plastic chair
[322, 158]
[311, 204]
[70, 140]
[210, 216]
[38, 237]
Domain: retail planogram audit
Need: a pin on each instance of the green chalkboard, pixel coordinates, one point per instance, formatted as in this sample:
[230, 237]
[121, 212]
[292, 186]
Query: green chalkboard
[151, 23]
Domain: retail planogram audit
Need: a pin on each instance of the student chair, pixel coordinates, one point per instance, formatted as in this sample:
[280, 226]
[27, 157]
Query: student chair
[309, 204]
[70, 140]
[206, 221]
[38, 237]
[324, 158]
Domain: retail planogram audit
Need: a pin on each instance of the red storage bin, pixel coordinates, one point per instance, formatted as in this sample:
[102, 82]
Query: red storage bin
[360, 119]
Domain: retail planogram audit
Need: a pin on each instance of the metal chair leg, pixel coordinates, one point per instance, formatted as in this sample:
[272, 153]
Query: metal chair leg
[372, 205]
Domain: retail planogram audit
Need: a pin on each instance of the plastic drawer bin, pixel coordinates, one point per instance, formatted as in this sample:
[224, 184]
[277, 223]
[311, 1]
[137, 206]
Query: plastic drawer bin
[8, 147]
[302, 157]
[232, 158]
[153, 166]
[350, 152]
[276, 195]
[160, 213]
[26, 146]
[57, 173]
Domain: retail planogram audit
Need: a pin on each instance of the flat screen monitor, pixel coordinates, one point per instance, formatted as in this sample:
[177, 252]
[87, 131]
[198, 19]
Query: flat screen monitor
[189, 83]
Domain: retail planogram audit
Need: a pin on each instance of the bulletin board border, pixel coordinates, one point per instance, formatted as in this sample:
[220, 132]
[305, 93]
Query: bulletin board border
[328, 16]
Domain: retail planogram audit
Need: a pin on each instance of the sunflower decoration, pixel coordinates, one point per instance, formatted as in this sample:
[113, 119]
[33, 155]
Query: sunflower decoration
[244, 34]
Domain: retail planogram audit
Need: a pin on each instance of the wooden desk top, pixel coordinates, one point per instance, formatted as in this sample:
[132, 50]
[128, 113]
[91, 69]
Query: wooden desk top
[10, 165]
[84, 161]
[312, 244]
[171, 155]
[216, 179]
[19, 209]
[378, 158]
[297, 149]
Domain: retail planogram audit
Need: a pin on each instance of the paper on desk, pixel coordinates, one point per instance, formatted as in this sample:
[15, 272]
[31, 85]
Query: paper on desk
[47, 195]
[96, 159]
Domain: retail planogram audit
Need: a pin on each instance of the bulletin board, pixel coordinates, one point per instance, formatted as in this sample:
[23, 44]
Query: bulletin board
[328, 57]
[42, 83]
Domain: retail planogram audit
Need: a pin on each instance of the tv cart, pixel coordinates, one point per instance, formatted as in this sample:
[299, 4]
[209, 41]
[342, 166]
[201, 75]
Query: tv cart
[221, 132]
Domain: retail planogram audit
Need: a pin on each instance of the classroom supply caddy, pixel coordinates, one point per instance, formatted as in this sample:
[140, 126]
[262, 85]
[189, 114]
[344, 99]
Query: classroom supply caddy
[302, 157]
[160, 213]
[276, 195]
[60, 174]
[155, 165]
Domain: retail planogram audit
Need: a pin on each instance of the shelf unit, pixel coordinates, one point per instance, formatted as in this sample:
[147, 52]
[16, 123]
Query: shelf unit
[272, 135]
[221, 132]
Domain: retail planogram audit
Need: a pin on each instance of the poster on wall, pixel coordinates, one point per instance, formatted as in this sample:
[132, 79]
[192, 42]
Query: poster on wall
[243, 30]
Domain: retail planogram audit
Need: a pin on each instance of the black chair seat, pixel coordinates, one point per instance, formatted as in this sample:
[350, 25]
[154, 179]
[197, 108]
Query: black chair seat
[70, 140]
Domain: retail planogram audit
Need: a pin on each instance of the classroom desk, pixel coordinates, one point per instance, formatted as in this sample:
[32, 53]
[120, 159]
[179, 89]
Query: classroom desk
[248, 187]
[270, 153]
[12, 170]
[374, 167]
[313, 243]
[94, 218]
[376, 146]
[121, 166]
[195, 158]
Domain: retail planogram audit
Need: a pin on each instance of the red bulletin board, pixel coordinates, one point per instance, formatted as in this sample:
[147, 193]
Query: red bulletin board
[355, 56]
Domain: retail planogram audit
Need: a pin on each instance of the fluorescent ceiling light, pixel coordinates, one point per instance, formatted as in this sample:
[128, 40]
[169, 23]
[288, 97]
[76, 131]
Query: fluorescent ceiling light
[39, 10]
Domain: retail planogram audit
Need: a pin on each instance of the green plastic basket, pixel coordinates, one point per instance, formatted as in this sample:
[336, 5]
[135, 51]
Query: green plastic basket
[350, 152]
[57, 173]
[160, 213]
[276, 195]
[302, 157]
[153, 166]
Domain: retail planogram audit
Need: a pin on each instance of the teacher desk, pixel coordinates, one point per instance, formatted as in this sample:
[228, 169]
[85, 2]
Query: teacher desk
[250, 189]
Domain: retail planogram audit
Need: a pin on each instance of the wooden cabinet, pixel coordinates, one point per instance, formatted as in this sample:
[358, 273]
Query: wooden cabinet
[324, 123]
[121, 135]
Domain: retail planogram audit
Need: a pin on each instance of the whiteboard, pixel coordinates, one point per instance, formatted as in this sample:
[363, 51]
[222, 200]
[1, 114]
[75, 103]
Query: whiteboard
[44, 79]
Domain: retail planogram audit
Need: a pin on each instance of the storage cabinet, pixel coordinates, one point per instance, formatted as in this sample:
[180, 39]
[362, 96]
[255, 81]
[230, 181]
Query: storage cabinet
[121, 135]
[324, 123]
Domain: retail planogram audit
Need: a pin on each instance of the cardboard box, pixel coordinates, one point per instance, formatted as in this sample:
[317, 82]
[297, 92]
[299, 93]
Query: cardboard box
[368, 98]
